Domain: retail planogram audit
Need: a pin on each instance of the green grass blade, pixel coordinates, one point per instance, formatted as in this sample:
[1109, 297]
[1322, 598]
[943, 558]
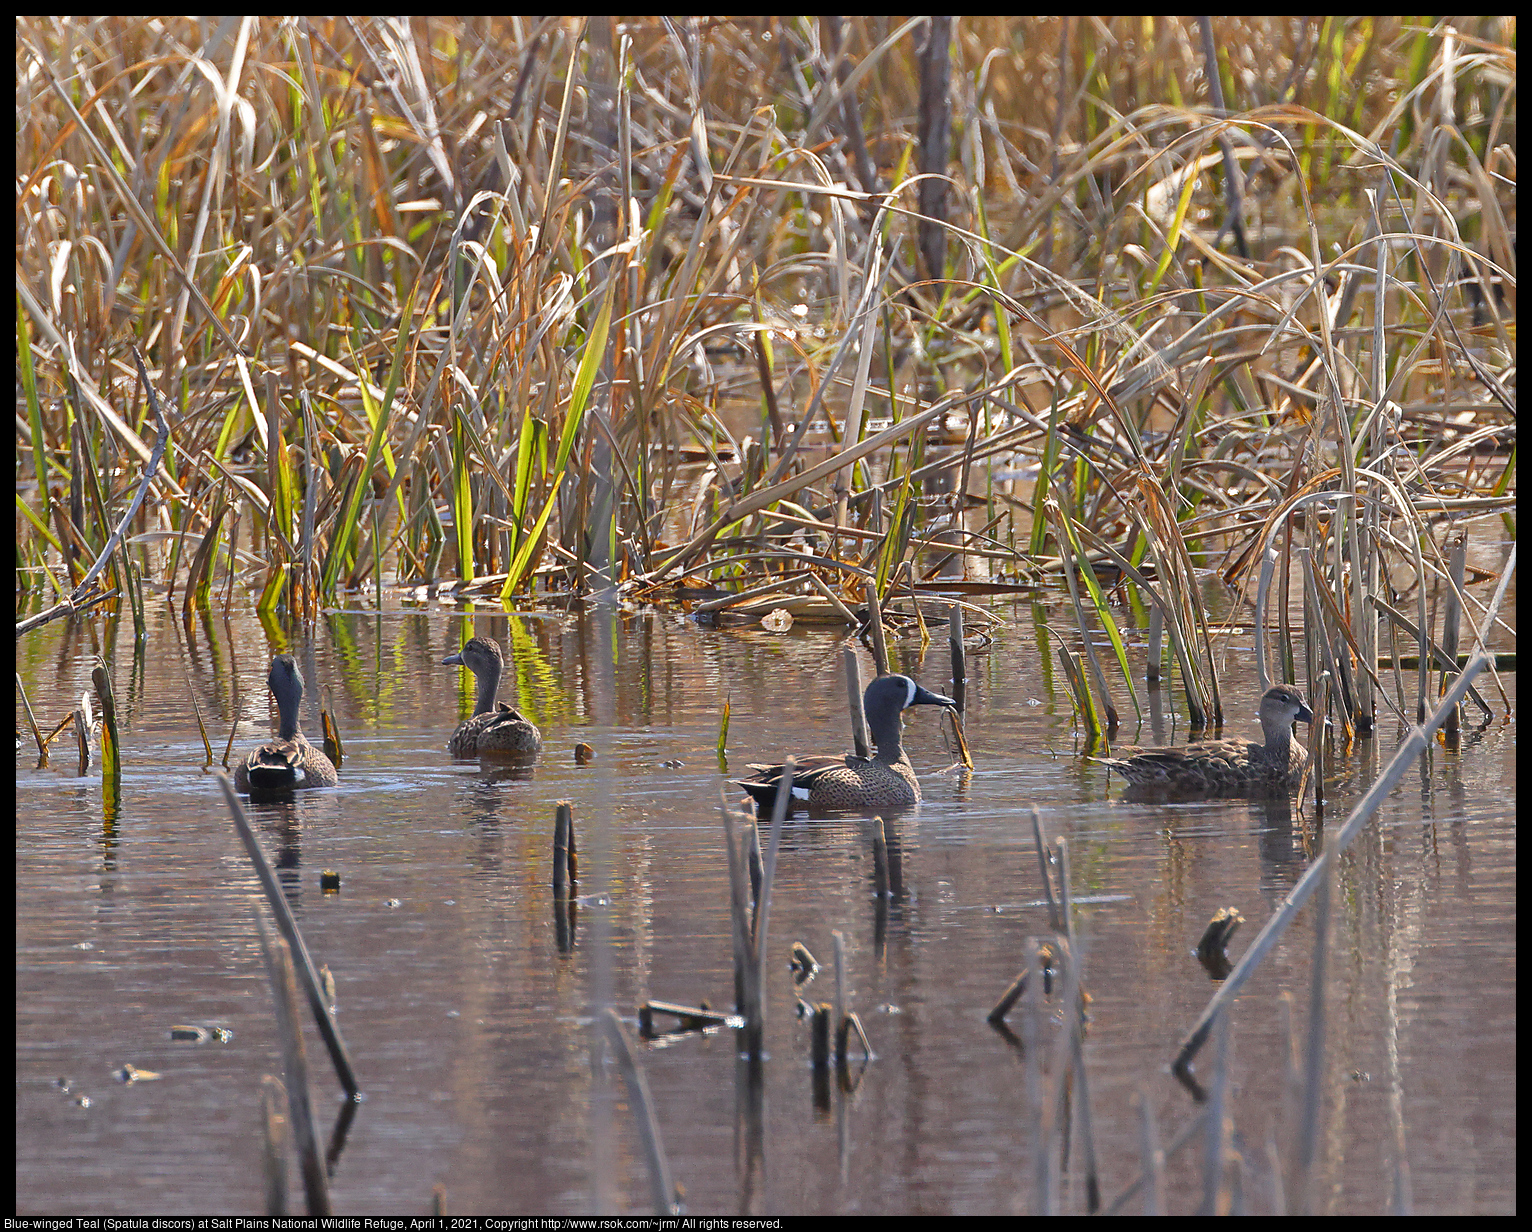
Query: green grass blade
[579, 398]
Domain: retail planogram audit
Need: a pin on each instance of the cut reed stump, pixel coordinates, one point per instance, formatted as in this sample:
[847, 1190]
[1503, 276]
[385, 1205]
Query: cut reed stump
[566, 876]
[1215, 941]
[565, 858]
[879, 859]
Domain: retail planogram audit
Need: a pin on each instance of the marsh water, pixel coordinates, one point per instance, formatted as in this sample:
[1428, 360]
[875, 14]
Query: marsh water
[471, 1030]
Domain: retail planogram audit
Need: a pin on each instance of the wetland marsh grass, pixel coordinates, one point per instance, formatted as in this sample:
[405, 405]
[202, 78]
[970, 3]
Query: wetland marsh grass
[839, 317]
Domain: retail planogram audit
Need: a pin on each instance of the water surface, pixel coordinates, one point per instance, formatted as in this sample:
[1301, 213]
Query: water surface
[471, 1030]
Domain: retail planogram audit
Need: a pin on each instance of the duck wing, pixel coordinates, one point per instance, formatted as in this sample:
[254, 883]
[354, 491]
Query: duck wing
[278, 765]
[762, 784]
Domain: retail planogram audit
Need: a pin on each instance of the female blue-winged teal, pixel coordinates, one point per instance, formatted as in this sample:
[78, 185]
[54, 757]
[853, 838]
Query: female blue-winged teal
[493, 729]
[289, 762]
[1228, 767]
[886, 780]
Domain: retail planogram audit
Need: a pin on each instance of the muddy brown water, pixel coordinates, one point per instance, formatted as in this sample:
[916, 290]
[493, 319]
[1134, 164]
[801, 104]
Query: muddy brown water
[472, 1033]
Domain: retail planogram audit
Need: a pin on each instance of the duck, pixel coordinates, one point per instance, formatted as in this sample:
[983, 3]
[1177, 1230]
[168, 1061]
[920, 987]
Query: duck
[1228, 767]
[289, 762]
[493, 729]
[885, 780]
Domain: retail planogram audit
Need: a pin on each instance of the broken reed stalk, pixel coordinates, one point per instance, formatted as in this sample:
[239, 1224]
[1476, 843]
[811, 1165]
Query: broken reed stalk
[744, 596]
[1311, 1099]
[563, 849]
[111, 765]
[111, 752]
[1154, 1158]
[1043, 868]
[1062, 1124]
[854, 698]
[333, 748]
[753, 859]
[1414, 743]
[1085, 703]
[1039, 1115]
[1156, 643]
[82, 725]
[879, 859]
[1066, 908]
[755, 1025]
[852, 1022]
[284, 991]
[1262, 595]
[1215, 1195]
[839, 939]
[875, 626]
[959, 663]
[275, 1139]
[739, 906]
[1457, 561]
[1008, 998]
[1314, 769]
[42, 746]
[1074, 1011]
[819, 1046]
[228, 748]
[289, 928]
[207, 746]
[965, 758]
[662, 1189]
[688, 1017]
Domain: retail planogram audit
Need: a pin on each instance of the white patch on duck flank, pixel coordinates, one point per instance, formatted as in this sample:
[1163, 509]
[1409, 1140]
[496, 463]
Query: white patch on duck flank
[800, 793]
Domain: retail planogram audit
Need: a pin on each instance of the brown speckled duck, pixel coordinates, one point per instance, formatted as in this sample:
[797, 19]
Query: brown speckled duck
[494, 730]
[1227, 767]
[289, 762]
[886, 780]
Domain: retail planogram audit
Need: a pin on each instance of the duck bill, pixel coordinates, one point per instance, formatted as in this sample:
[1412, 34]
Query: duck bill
[924, 697]
[456, 660]
[1304, 715]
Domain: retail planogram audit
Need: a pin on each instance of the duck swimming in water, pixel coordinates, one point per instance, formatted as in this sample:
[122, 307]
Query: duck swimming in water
[885, 780]
[289, 762]
[493, 729]
[1227, 767]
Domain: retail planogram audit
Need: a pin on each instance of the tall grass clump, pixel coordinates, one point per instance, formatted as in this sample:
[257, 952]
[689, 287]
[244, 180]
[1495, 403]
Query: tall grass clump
[522, 307]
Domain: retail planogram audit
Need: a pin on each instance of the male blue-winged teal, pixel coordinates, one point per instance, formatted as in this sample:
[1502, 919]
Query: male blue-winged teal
[1227, 767]
[289, 762]
[886, 780]
[493, 729]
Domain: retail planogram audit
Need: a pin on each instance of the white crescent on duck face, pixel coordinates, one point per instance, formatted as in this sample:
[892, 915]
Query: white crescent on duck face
[1228, 767]
[495, 728]
[289, 762]
[885, 780]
